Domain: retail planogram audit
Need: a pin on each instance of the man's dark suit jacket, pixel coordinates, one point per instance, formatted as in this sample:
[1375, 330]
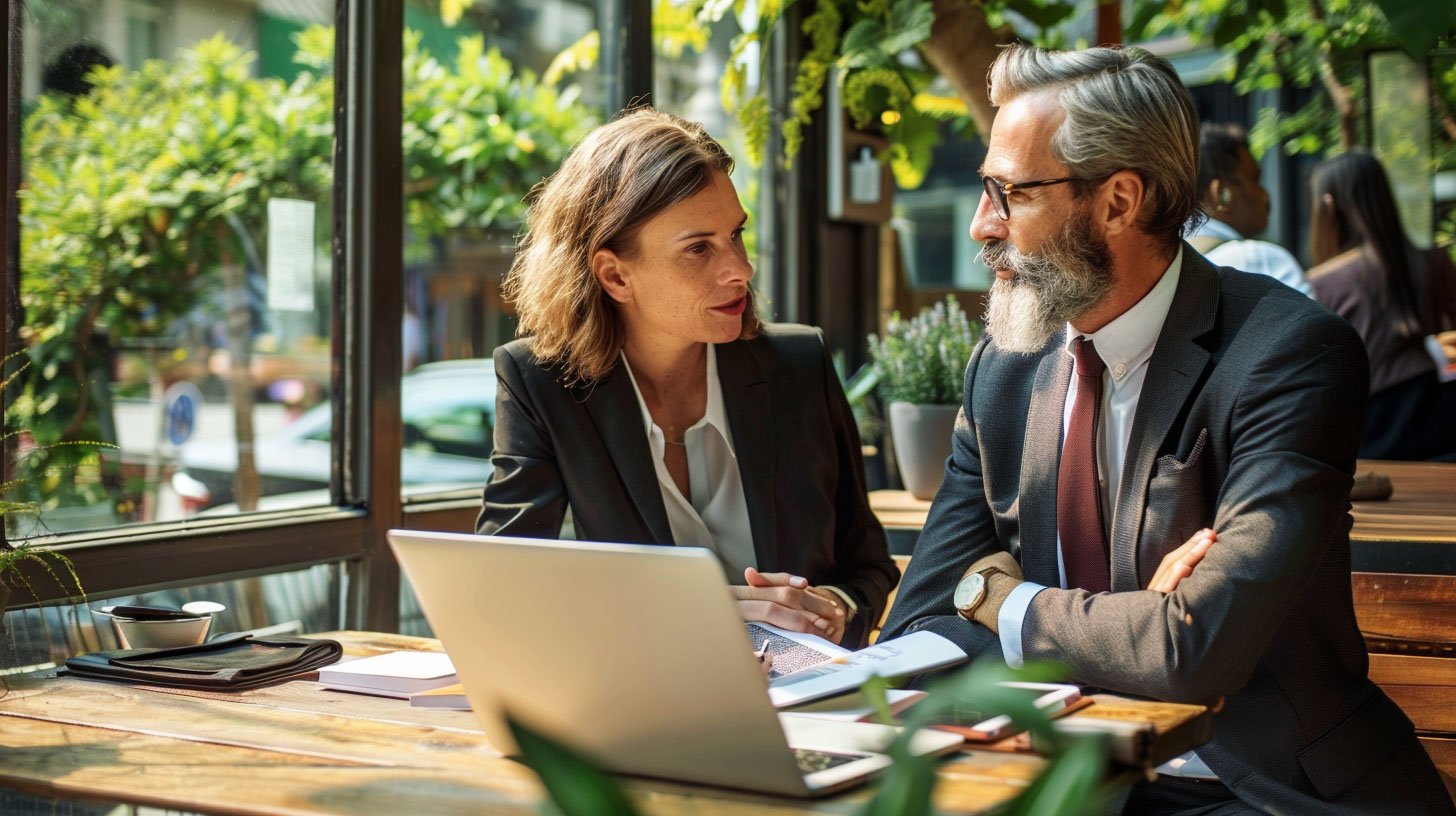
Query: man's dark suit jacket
[798, 453]
[1248, 423]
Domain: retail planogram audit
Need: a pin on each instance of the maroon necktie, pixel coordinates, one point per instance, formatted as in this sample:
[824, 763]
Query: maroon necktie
[1079, 498]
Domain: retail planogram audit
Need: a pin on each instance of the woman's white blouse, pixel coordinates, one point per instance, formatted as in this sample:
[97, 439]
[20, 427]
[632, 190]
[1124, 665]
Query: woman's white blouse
[715, 516]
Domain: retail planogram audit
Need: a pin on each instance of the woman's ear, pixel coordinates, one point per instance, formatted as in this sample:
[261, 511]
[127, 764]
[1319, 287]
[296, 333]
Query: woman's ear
[611, 275]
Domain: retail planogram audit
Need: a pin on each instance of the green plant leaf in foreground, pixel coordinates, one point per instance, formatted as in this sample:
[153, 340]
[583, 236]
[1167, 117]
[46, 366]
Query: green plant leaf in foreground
[1070, 785]
[573, 784]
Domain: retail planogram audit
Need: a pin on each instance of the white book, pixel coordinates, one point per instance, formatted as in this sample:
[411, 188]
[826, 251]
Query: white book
[450, 698]
[807, 667]
[392, 674]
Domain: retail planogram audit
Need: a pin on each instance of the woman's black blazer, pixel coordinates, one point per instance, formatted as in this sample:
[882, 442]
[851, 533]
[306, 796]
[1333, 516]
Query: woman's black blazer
[798, 450]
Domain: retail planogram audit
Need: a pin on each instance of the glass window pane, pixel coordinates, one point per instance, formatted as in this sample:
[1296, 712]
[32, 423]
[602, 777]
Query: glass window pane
[303, 601]
[691, 59]
[1400, 115]
[493, 99]
[175, 275]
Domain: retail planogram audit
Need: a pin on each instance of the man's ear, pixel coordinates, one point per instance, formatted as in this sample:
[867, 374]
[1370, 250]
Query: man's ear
[1219, 195]
[1120, 200]
[611, 275]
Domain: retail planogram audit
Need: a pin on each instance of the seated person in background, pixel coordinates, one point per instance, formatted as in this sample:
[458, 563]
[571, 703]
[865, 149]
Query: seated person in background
[647, 397]
[1394, 295]
[1237, 206]
[1226, 401]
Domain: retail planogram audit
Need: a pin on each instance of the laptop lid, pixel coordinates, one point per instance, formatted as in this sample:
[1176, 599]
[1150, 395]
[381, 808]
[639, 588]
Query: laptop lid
[634, 654]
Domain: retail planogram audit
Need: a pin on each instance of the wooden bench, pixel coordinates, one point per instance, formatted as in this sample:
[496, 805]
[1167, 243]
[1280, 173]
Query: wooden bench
[1409, 623]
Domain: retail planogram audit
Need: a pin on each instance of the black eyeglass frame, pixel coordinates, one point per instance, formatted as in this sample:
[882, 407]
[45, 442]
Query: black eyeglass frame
[998, 190]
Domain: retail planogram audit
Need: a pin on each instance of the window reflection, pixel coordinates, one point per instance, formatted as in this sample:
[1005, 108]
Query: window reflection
[174, 270]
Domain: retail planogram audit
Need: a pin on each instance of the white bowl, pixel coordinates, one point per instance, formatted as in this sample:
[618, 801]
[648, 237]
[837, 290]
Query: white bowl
[160, 634]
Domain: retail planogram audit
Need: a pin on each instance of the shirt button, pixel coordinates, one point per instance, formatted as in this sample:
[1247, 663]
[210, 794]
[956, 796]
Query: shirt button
[1118, 370]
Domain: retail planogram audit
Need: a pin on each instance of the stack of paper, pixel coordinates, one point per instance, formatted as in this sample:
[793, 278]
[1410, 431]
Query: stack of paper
[449, 698]
[392, 674]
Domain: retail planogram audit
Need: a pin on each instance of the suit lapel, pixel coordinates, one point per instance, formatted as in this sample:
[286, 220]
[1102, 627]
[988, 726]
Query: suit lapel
[612, 405]
[1173, 370]
[1042, 452]
[749, 407]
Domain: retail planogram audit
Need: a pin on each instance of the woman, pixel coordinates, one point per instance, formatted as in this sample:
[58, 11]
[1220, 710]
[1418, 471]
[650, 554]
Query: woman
[1395, 295]
[647, 397]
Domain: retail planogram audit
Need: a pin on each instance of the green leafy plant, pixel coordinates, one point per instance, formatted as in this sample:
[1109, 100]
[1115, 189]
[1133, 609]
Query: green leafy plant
[1071, 784]
[903, 67]
[22, 479]
[923, 360]
[149, 194]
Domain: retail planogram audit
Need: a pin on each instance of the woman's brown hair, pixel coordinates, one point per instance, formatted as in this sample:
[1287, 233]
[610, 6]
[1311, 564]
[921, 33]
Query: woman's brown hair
[617, 179]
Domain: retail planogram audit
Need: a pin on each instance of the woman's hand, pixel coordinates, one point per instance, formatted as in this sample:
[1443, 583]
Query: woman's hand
[788, 602]
[1179, 563]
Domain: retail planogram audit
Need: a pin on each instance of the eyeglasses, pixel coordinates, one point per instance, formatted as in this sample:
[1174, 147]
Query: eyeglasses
[997, 191]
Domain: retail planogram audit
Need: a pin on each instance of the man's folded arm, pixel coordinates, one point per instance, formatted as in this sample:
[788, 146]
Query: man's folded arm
[1281, 506]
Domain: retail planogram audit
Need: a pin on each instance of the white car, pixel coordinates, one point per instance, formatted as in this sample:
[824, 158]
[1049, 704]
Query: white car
[448, 409]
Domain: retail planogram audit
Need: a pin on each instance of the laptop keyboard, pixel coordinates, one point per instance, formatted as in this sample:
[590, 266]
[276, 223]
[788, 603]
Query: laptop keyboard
[810, 760]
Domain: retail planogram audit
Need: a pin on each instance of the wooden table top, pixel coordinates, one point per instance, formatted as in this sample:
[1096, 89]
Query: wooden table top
[1422, 508]
[296, 748]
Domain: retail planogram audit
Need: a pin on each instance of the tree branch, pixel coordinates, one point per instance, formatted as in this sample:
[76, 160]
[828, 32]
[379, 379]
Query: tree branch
[1340, 95]
[961, 47]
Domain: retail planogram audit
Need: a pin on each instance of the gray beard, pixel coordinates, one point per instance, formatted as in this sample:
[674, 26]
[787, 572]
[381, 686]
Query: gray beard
[1070, 275]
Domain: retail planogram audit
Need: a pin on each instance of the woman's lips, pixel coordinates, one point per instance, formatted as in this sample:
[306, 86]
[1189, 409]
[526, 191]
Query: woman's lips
[733, 307]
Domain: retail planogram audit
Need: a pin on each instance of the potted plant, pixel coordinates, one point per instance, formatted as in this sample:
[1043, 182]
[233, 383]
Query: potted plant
[921, 363]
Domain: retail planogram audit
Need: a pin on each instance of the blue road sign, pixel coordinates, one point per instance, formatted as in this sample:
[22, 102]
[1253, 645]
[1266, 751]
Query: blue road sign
[183, 402]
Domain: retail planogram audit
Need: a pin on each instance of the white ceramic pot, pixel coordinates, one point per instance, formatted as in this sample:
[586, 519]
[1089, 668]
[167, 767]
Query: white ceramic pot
[921, 435]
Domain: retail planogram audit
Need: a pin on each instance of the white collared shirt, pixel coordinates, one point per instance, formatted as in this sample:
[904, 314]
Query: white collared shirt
[715, 516]
[1125, 346]
[1253, 255]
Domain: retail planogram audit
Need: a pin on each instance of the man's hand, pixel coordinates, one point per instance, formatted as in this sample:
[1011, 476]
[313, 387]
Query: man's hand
[1179, 563]
[788, 602]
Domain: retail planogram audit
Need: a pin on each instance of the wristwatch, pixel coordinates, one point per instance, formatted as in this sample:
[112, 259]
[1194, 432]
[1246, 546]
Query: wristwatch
[971, 591]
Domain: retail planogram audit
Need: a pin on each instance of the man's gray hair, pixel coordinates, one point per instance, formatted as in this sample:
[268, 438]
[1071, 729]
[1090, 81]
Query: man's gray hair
[1126, 110]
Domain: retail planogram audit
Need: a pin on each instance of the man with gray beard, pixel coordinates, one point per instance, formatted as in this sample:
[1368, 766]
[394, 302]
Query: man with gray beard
[1149, 479]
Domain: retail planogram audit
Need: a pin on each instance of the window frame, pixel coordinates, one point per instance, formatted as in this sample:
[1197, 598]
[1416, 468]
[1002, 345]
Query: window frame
[368, 273]
[368, 276]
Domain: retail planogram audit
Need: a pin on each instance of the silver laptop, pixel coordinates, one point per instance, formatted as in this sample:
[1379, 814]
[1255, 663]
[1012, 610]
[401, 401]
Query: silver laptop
[635, 655]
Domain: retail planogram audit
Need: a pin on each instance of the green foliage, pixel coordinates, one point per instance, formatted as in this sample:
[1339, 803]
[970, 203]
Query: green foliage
[478, 136]
[923, 360]
[873, 50]
[137, 195]
[574, 786]
[14, 556]
[1070, 784]
[1302, 44]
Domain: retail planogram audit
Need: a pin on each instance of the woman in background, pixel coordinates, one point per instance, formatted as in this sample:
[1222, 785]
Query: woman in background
[647, 398]
[1395, 295]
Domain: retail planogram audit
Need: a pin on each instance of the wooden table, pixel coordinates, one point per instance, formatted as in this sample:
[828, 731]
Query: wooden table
[296, 749]
[1414, 531]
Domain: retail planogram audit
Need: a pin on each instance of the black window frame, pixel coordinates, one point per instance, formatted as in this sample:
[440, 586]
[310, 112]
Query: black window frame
[368, 272]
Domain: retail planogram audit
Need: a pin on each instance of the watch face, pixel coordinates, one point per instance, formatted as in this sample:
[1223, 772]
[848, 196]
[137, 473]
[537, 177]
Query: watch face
[970, 590]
